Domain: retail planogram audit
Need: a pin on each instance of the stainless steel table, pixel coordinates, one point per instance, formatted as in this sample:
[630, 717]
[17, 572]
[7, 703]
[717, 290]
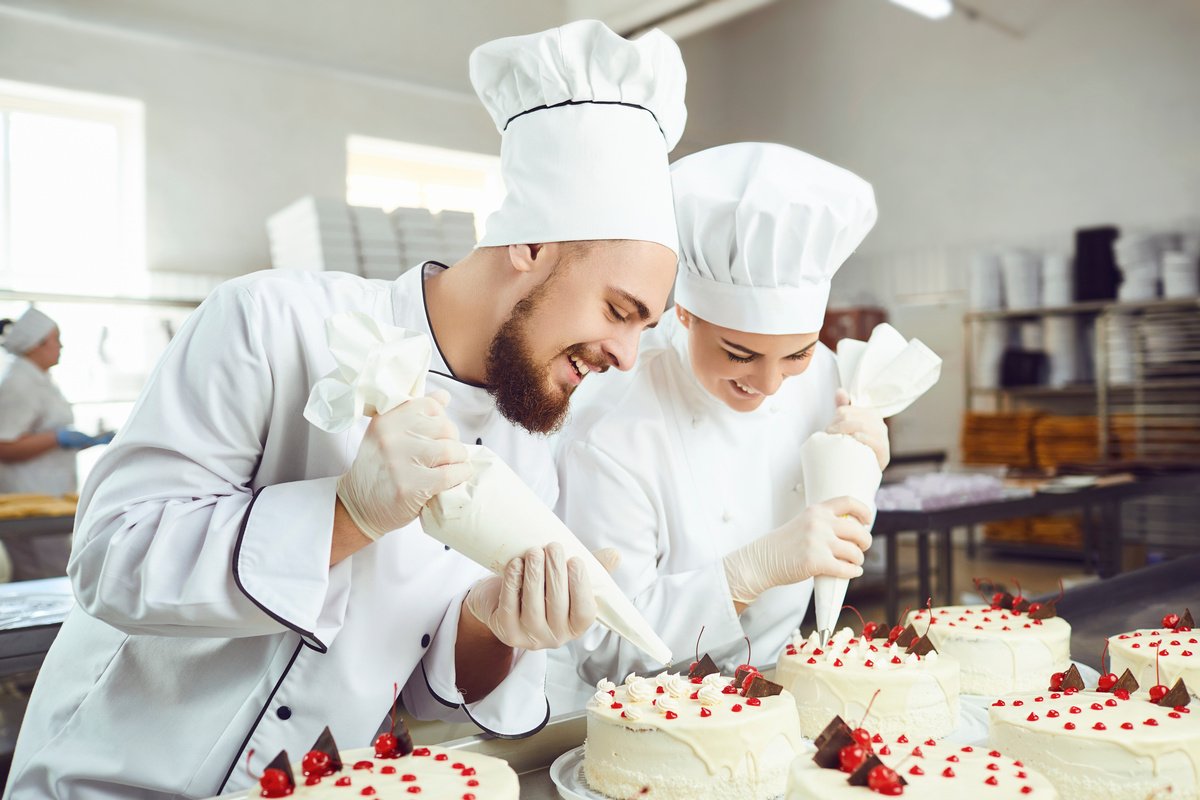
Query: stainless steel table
[1101, 522]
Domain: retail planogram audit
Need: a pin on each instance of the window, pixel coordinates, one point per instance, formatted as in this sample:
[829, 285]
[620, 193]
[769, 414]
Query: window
[72, 207]
[386, 174]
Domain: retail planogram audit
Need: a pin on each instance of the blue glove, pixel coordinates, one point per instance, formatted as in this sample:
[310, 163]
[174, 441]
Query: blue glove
[104, 438]
[71, 439]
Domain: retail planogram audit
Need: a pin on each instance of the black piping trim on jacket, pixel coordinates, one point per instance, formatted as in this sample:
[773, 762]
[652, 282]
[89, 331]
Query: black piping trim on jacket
[589, 103]
[308, 638]
[433, 336]
[479, 725]
[249, 735]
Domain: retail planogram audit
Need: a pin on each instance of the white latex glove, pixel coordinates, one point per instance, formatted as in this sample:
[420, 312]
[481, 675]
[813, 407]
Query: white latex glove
[541, 601]
[864, 424]
[825, 539]
[408, 455]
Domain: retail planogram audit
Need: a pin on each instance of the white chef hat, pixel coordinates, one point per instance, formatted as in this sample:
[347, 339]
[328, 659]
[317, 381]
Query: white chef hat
[587, 119]
[762, 230]
[27, 331]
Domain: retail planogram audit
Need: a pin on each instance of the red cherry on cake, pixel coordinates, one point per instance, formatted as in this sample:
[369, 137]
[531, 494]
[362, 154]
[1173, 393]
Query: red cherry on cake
[997, 599]
[863, 737]
[1056, 680]
[385, 745]
[851, 756]
[1158, 692]
[274, 783]
[1170, 621]
[869, 630]
[884, 780]
[315, 763]
[1033, 608]
[1107, 682]
[894, 633]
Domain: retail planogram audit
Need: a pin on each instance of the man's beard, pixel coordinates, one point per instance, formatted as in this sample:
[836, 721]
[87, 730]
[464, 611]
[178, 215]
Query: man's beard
[521, 386]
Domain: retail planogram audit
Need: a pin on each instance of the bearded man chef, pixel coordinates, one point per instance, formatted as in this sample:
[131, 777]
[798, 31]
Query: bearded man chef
[691, 465]
[245, 579]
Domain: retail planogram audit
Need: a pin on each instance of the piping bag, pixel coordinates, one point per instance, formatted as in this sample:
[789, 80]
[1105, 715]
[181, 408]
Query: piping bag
[491, 518]
[886, 373]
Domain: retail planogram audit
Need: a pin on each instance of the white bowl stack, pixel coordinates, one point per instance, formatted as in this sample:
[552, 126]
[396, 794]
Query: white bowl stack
[1021, 270]
[990, 345]
[1181, 272]
[378, 251]
[1137, 257]
[1058, 287]
[1061, 336]
[985, 290]
[1119, 331]
[313, 234]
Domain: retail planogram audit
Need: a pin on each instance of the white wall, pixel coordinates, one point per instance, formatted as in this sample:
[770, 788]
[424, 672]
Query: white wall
[230, 139]
[970, 136]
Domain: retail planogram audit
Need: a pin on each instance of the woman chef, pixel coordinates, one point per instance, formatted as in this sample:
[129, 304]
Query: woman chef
[38, 440]
[691, 466]
[245, 579]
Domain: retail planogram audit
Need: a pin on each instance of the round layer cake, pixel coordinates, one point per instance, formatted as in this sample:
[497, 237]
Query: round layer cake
[918, 695]
[433, 772]
[999, 650]
[670, 738]
[1156, 652]
[1098, 746]
[931, 770]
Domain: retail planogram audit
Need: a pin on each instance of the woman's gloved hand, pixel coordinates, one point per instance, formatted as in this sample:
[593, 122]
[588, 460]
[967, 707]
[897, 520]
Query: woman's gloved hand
[825, 539]
[864, 424]
[71, 439]
[542, 600]
[408, 455]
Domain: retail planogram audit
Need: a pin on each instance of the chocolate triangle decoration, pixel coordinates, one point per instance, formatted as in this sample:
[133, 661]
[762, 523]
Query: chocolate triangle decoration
[404, 742]
[739, 676]
[1186, 620]
[1177, 697]
[1006, 600]
[282, 763]
[907, 636]
[859, 776]
[1126, 682]
[1072, 680]
[325, 744]
[705, 666]
[1022, 606]
[922, 647]
[761, 687]
[830, 743]
[1047, 610]
[836, 724]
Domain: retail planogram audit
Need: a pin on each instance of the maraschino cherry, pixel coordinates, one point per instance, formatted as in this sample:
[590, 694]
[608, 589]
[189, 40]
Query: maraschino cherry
[1157, 691]
[861, 734]
[898, 628]
[1018, 598]
[1109, 679]
[1170, 621]
[273, 782]
[749, 671]
[1056, 681]
[868, 628]
[696, 663]
[851, 757]
[884, 780]
[315, 763]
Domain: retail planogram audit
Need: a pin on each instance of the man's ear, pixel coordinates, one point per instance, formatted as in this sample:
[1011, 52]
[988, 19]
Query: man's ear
[685, 316]
[530, 257]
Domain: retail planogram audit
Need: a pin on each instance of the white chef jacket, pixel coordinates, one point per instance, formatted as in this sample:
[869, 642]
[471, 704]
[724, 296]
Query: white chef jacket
[658, 468]
[30, 402]
[209, 620]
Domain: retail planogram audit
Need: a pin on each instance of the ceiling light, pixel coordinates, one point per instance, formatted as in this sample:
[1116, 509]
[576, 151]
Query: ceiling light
[934, 9]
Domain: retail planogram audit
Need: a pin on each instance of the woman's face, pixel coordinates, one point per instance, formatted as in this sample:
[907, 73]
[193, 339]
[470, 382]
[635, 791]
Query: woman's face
[743, 369]
[45, 353]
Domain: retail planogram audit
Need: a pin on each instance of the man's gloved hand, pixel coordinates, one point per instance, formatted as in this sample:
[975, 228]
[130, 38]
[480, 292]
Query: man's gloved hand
[71, 439]
[408, 455]
[825, 539]
[864, 424]
[542, 600]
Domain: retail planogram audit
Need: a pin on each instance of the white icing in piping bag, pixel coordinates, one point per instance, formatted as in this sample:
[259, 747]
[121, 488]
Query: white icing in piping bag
[886, 373]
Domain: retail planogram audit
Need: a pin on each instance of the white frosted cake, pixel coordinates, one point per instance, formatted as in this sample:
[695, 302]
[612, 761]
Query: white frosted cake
[675, 738]
[918, 694]
[1163, 654]
[1100, 746]
[931, 771]
[1000, 650]
[433, 772]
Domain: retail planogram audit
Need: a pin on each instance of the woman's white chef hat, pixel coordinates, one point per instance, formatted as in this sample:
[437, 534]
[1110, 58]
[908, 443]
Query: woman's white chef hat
[588, 119]
[762, 230]
[27, 331]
